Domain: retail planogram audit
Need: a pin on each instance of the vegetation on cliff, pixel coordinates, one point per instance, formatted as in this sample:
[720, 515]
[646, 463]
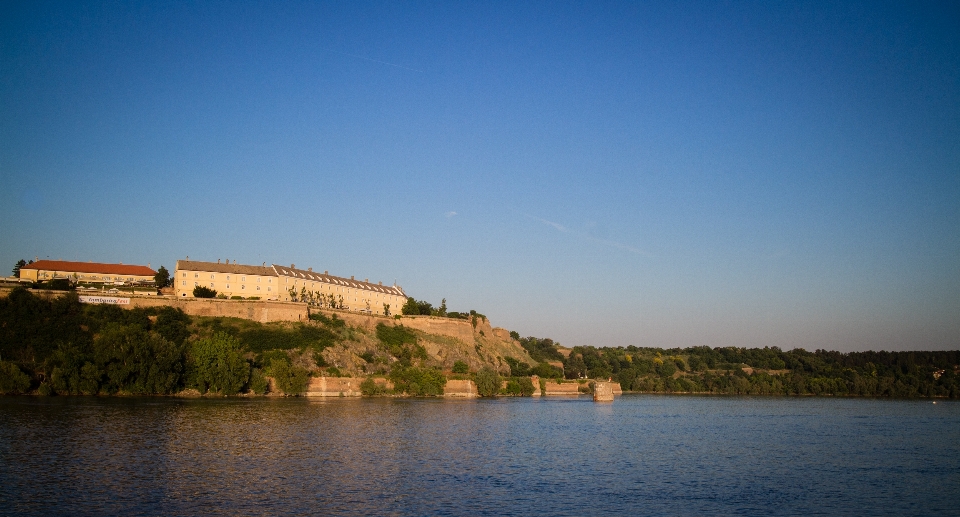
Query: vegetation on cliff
[56, 345]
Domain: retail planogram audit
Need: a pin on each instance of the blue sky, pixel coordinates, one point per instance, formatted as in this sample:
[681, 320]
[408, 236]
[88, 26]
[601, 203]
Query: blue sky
[610, 174]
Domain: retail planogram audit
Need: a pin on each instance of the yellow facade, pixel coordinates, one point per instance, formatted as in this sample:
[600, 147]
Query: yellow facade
[86, 272]
[288, 284]
[227, 279]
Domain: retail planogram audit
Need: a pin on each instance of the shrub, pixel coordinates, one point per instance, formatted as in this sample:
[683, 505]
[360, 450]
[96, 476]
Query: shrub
[488, 382]
[290, 379]
[419, 382]
[235, 297]
[258, 382]
[203, 292]
[217, 364]
[460, 367]
[12, 380]
[370, 388]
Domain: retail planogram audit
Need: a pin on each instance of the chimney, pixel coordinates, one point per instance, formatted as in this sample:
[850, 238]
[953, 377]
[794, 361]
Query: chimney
[293, 266]
[264, 264]
[234, 262]
[367, 280]
[351, 277]
[380, 282]
[148, 264]
[218, 261]
[310, 269]
[326, 272]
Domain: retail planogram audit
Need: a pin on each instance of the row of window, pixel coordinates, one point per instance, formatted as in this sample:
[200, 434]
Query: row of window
[213, 276]
[242, 287]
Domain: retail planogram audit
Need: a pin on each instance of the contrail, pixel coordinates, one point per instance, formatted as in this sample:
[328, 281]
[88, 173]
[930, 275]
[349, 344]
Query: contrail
[584, 235]
[373, 60]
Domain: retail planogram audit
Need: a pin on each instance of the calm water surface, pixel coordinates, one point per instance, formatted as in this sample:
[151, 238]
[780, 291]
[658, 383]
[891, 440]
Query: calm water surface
[643, 454]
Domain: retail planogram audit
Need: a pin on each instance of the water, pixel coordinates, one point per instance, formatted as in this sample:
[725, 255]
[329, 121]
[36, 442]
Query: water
[643, 454]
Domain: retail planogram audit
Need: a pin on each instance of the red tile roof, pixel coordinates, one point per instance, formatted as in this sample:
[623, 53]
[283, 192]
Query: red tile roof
[90, 267]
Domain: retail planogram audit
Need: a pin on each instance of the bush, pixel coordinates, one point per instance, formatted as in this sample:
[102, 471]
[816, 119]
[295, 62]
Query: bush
[370, 388]
[217, 364]
[460, 367]
[292, 380]
[488, 382]
[203, 292]
[419, 382]
[12, 380]
[258, 382]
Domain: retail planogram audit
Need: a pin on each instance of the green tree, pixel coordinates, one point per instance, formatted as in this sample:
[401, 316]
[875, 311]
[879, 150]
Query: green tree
[460, 367]
[291, 380]
[12, 380]
[204, 292]
[16, 268]
[488, 382]
[410, 308]
[442, 310]
[162, 278]
[216, 364]
[386, 309]
[135, 361]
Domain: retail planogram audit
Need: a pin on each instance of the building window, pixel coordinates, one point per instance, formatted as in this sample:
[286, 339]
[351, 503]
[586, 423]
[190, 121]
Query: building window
[211, 285]
[228, 286]
[212, 276]
[184, 283]
[258, 288]
[184, 275]
[243, 279]
[268, 289]
[258, 279]
[242, 287]
[195, 284]
[196, 275]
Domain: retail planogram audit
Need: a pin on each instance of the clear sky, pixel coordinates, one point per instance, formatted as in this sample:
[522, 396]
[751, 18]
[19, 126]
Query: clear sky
[611, 174]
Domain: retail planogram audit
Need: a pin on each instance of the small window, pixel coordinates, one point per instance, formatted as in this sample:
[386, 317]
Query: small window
[196, 275]
[258, 288]
[195, 284]
[184, 283]
[268, 289]
[184, 275]
[212, 276]
[242, 287]
[211, 285]
[243, 279]
[228, 286]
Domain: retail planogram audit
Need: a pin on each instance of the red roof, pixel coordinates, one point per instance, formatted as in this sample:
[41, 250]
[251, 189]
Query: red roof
[91, 267]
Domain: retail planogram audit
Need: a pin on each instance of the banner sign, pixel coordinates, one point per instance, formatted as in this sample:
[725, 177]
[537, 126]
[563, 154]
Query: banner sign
[105, 299]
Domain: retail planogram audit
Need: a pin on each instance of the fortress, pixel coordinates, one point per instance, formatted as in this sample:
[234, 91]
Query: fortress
[288, 284]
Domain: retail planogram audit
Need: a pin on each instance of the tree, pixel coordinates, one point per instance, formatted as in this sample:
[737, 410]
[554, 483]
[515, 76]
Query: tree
[216, 364]
[204, 292]
[162, 278]
[386, 309]
[16, 269]
[460, 367]
[12, 380]
[410, 308]
[442, 311]
[488, 382]
[425, 308]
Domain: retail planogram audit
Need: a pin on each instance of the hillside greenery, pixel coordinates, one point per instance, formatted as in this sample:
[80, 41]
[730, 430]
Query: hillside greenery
[56, 345]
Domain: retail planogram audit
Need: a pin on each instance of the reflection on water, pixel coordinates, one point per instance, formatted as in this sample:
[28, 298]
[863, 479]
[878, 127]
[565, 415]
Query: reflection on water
[641, 454]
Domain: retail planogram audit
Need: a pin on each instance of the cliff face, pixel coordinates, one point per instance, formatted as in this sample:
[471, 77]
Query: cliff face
[446, 341]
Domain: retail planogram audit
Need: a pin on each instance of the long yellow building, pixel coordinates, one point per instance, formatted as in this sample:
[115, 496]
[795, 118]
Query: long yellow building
[283, 283]
[97, 272]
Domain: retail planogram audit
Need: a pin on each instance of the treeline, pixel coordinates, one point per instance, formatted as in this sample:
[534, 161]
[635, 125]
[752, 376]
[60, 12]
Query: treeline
[761, 371]
[56, 345]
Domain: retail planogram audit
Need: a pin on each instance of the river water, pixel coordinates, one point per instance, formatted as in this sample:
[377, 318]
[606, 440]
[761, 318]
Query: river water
[641, 455]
